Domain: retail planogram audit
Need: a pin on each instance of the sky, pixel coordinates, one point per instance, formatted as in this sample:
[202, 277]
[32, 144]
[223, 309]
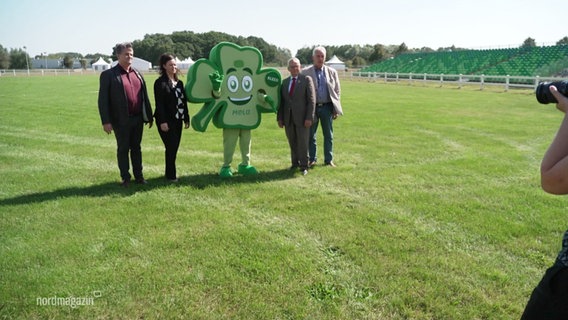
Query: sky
[96, 26]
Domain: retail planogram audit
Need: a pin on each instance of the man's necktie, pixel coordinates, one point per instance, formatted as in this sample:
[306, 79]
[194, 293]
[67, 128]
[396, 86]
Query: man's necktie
[293, 85]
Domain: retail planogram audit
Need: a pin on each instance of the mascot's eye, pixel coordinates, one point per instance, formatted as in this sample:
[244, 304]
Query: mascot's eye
[247, 83]
[233, 84]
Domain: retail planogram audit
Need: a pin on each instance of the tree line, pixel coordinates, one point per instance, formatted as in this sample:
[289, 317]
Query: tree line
[188, 44]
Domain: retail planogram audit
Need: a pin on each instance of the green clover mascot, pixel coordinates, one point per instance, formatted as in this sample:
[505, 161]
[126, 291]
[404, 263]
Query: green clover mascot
[234, 89]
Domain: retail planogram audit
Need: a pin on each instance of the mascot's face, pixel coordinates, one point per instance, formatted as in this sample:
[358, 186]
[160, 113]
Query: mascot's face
[239, 86]
[244, 87]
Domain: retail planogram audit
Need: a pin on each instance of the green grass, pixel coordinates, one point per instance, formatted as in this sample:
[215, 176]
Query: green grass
[434, 212]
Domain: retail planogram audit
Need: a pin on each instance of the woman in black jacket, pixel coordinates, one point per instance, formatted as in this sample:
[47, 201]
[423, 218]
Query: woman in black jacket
[171, 111]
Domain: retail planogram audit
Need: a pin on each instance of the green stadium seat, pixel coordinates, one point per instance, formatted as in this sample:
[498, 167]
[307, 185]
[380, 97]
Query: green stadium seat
[510, 61]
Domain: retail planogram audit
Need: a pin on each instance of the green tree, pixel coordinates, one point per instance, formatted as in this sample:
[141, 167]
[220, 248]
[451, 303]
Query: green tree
[529, 43]
[358, 62]
[366, 52]
[379, 53]
[68, 61]
[4, 58]
[305, 55]
[562, 42]
[401, 49]
[282, 56]
[352, 52]
[212, 38]
[268, 51]
[19, 59]
[426, 49]
[152, 46]
[61, 54]
[453, 48]
[186, 44]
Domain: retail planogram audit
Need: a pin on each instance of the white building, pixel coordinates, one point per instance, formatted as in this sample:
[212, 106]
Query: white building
[44, 63]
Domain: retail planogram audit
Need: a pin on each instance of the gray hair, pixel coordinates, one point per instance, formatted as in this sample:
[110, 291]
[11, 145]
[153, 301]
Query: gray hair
[295, 60]
[320, 49]
[121, 46]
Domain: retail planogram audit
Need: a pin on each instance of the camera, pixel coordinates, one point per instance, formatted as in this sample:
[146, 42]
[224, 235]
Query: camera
[543, 94]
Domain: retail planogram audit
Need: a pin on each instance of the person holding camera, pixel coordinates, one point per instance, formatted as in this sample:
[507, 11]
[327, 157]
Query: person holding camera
[549, 300]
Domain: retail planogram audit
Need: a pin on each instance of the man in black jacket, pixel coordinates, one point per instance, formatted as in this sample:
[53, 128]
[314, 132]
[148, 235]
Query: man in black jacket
[124, 107]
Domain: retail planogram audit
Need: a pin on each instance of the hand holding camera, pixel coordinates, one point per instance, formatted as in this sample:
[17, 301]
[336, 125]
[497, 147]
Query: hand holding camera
[550, 92]
[544, 93]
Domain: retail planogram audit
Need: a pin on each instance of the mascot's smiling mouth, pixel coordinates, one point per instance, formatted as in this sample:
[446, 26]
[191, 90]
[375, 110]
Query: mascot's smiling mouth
[240, 101]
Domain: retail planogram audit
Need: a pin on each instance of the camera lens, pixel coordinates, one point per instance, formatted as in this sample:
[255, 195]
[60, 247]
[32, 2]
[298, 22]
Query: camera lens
[543, 94]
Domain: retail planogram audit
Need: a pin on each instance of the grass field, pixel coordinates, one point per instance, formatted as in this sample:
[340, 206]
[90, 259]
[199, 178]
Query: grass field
[434, 212]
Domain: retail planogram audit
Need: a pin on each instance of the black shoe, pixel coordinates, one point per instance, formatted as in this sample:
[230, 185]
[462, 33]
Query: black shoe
[141, 181]
[311, 164]
[125, 183]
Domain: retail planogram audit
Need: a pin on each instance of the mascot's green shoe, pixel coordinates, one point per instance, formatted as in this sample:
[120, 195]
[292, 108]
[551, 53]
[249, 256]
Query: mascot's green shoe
[226, 172]
[247, 170]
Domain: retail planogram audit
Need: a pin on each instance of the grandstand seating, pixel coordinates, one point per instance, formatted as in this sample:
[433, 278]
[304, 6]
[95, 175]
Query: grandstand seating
[525, 61]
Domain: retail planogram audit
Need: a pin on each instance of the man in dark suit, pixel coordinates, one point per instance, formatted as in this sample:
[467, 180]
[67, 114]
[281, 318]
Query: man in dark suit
[124, 107]
[296, 113]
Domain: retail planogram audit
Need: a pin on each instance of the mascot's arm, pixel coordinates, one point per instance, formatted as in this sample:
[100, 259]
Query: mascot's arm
[263, 99]
[216, 80]
[201, 120]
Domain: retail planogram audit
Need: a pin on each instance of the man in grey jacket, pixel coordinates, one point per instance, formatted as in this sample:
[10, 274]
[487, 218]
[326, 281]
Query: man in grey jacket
[124, 107]
[328, 105]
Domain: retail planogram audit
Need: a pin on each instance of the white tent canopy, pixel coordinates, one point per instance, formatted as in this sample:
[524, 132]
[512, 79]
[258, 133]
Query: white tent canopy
[335, 63]
[101, 65]
[138, 64]
[185, 64]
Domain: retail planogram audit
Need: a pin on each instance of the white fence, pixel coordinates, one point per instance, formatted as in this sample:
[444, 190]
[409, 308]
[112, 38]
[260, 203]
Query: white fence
[44, 72]
[50, 72]
[507, 82]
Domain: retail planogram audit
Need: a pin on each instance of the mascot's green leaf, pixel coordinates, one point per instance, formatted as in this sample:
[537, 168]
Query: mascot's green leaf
[233, 87]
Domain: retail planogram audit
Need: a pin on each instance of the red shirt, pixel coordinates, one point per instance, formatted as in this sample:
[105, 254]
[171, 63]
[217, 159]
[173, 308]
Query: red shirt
[133, 89]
